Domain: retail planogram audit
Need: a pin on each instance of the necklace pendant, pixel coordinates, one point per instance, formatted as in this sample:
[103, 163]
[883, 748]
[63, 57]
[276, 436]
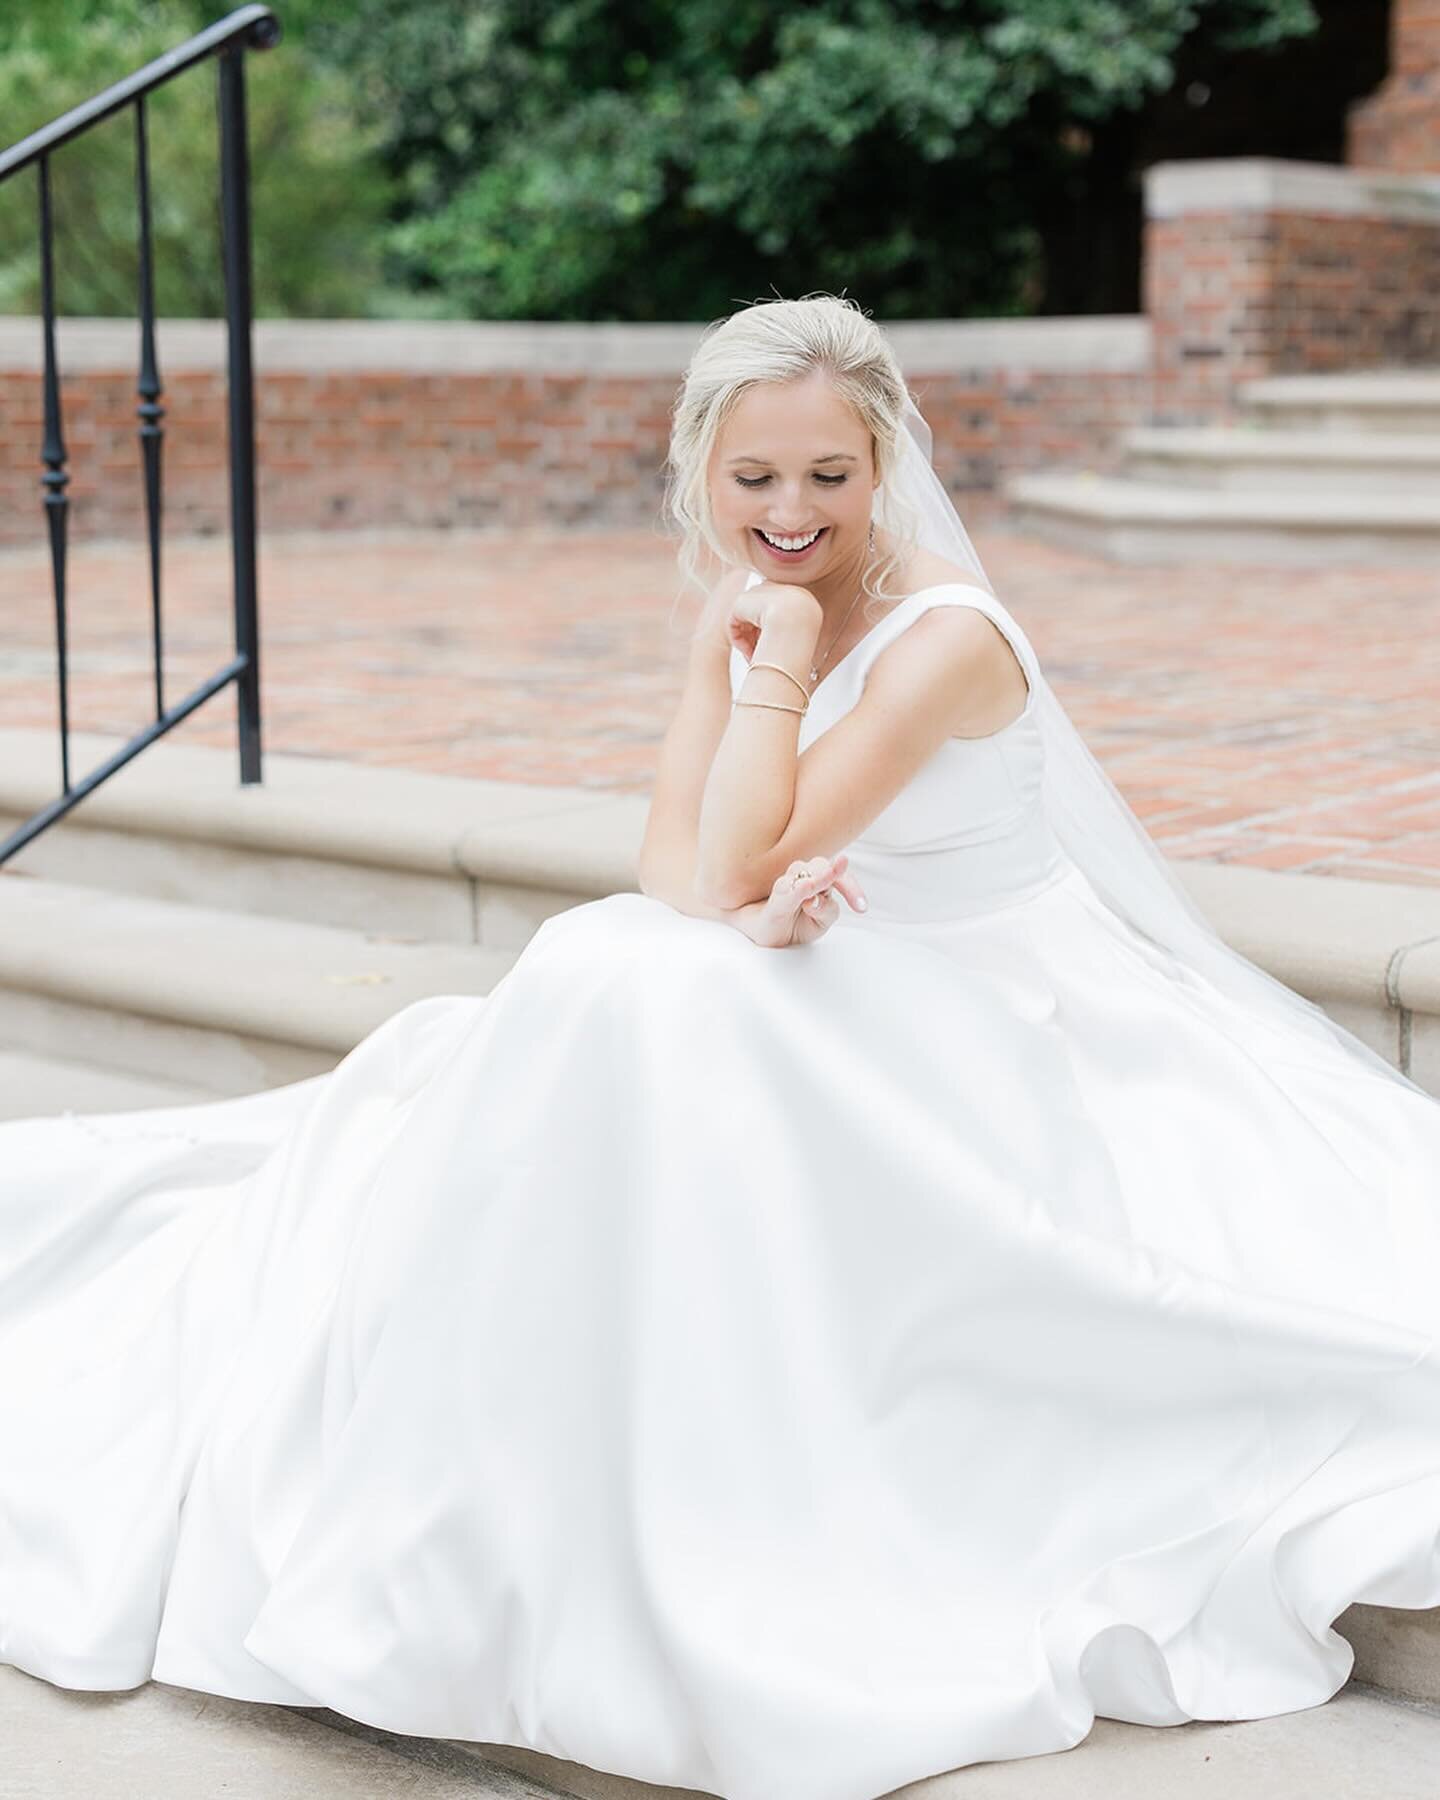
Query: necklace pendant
[814, 674]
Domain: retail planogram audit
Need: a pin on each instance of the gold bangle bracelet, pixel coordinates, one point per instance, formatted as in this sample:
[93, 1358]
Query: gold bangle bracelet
[775, 705]
[786, 673]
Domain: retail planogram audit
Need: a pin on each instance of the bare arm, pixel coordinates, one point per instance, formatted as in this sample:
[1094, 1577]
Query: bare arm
[800, 907]
[749, 793]
[785, 912]
[667, 855]
[765, 805]
[674, 883]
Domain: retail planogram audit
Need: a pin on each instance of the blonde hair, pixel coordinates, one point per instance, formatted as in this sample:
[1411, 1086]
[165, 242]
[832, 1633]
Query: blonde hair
[781, 341]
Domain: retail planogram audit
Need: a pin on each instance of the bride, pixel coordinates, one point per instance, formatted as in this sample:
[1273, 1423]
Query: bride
[895, 1289]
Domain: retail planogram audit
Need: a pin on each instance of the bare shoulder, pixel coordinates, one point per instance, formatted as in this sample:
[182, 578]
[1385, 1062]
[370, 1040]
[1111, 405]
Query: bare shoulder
[925, 568]
[959, 655]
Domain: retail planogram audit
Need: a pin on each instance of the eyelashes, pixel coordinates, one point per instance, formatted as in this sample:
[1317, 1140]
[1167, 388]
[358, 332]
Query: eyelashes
[760, 480]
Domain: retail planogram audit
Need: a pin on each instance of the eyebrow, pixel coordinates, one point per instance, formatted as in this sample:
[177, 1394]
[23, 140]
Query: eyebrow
[834, 456]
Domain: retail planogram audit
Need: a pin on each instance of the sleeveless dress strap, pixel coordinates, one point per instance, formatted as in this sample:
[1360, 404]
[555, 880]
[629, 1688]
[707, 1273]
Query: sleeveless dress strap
[857, 660]
[948, 593]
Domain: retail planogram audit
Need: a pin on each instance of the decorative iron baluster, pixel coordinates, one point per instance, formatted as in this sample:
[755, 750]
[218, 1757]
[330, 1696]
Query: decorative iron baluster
[150, 412]
[235, 220]
[249, 27]
[52, 453]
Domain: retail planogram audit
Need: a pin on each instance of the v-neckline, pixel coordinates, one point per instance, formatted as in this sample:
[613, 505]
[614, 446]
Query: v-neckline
[865, 637]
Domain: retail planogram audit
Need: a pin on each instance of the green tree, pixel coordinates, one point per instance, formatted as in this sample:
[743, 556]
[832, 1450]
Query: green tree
[616, 159]
[654, 159]
[320, 193]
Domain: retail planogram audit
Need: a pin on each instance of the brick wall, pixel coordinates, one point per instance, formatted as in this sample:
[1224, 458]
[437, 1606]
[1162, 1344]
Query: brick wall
[1258, 267]
[398, 424]
[1398, 126]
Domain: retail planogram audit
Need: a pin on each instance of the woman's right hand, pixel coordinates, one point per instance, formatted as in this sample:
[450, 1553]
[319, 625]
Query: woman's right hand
[802, 904]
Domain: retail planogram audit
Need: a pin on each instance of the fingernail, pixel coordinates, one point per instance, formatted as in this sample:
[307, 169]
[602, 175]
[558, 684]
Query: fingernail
[862, 903]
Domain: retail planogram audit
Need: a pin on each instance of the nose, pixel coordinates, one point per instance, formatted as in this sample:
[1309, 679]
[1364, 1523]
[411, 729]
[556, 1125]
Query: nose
[777, 519]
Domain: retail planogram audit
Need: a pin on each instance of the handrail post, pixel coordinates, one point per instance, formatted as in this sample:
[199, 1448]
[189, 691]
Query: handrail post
[150, 412]
[249, 27]
[53, 454]
[235, 222]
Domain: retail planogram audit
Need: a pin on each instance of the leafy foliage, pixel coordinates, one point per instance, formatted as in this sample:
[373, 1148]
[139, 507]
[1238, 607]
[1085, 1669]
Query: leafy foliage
[319, 193]
[632, 159]
[615, 159]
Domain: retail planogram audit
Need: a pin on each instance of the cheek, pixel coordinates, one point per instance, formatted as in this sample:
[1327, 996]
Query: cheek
[729, 507]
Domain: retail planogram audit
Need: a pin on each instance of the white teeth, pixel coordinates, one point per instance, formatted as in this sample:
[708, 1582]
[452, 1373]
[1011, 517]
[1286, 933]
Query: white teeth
[791, 543]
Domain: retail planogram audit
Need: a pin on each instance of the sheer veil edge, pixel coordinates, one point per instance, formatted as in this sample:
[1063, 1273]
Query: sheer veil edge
[1094, 823]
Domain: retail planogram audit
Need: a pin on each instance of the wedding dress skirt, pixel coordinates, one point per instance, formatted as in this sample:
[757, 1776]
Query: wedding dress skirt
[782, 1373]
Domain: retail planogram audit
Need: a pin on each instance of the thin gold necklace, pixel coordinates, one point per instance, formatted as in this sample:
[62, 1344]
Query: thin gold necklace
[816, 668]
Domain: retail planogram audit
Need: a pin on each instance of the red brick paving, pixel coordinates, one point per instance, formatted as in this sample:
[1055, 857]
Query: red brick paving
[1286, 719]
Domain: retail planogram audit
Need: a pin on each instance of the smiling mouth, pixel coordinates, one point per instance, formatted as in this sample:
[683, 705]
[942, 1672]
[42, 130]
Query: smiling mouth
[791, 555]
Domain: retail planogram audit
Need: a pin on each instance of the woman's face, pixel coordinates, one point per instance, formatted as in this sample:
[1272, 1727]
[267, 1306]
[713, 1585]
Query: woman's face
[791, 461]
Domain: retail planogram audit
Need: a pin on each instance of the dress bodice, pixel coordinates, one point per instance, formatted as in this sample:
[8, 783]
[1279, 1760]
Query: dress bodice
[969, 831]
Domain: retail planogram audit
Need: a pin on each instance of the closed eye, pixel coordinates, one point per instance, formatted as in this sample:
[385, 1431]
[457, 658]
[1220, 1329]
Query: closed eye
[760, 480]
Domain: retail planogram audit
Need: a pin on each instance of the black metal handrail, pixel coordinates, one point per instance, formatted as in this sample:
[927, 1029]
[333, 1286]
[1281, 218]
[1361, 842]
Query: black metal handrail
[250, 27]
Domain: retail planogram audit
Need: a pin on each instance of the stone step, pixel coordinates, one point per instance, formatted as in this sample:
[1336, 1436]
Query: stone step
[1153, 522]
[159, 1742]
[1359, 1742]
[1386, 400]
[226, 1002]
[32, 1086]
[1250, 459]
[434, 857]
[387, 857]
[1397, 1650]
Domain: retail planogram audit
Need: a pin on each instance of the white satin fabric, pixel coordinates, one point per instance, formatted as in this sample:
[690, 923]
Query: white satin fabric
[786, 1374]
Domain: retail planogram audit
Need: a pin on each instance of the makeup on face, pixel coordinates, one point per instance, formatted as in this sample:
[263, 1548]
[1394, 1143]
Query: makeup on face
[789, 451]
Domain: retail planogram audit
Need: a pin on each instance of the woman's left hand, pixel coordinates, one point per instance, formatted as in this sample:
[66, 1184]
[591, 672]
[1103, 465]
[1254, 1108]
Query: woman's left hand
[768, 604]
[801, 905]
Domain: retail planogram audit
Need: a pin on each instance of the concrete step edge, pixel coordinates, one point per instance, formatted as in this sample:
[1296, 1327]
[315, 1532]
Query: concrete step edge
[316, 986]
[34, 1085]
[1352, 939]
[1343, 938]
[1222, 443]
[1086, 494]
[1414, 389]
[576, 839]
[159, 1742]
[1362, 1740]
[1276, 1758]
[1375, 945]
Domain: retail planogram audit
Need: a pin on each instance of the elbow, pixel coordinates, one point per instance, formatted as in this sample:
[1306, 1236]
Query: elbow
[711, 891]
[730, 875]
[730, 878]
[718, 887]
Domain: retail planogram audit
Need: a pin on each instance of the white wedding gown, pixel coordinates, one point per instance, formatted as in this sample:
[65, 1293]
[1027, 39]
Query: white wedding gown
[784, 1373]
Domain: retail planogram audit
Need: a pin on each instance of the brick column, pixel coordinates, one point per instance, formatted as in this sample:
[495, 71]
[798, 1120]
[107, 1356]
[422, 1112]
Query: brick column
[1255, 266]
[1398, 126]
